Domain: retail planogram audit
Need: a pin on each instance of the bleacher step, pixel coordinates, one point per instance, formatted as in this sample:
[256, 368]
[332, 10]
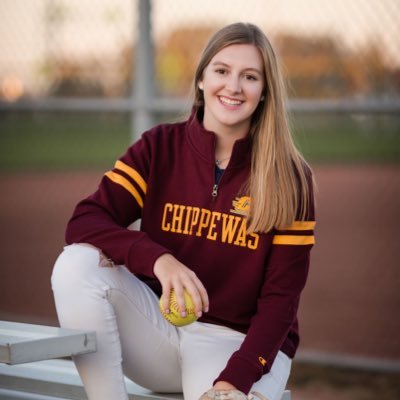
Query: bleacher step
[60, 379]
[21, 343]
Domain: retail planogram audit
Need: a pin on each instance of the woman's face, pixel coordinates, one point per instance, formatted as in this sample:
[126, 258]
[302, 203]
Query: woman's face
[232, 85]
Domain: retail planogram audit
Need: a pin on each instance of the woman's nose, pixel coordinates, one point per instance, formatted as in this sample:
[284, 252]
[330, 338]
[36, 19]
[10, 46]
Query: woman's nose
[233, 84]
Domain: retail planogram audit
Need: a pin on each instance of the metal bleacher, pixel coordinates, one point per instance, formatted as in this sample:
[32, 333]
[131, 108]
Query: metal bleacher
[34, 364]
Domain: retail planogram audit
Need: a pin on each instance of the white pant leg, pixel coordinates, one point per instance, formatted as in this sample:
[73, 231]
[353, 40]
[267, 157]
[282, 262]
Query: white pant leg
[132, 336]
[273, 384]
[205, 350]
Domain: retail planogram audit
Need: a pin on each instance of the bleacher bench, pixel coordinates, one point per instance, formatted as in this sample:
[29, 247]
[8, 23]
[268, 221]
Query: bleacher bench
[29, 369]
[22, 343]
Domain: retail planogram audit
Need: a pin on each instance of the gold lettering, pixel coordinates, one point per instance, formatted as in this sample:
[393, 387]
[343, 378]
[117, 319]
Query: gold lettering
[241, 236]
[204, 220]
[214, 216]
[252, 245]
[195, 219]
[190, 220]
[167, 209]
[177, 218]
[187, 220]
[229, 226]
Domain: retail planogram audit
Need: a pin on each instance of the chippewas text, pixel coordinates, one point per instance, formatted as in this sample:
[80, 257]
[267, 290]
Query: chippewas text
[213, 225]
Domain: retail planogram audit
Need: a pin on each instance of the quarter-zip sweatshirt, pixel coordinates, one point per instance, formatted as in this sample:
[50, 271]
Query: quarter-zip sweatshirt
[254, 281]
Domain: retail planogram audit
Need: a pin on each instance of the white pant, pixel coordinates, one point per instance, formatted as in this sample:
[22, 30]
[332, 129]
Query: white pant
[134, 339]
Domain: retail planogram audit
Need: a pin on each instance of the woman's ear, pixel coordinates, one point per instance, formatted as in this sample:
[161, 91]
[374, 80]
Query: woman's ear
[201, 87]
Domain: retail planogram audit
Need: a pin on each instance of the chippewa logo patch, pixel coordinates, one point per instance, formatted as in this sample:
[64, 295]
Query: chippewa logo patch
[241, 206]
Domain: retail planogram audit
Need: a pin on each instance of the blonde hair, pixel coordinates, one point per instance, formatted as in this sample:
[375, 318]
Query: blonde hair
[280, 182]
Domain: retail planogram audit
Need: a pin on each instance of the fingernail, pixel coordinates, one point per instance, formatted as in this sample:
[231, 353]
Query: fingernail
[167, 311]
[183, 314]
[206, 309]
[199, 314]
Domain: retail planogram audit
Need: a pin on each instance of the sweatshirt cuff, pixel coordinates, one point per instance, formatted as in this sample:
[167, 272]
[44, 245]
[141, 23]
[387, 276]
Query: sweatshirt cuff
[240, 373]
[142, 256]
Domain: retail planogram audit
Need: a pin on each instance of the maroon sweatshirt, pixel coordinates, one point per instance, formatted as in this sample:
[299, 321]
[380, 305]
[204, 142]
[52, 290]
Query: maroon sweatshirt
[253, 280]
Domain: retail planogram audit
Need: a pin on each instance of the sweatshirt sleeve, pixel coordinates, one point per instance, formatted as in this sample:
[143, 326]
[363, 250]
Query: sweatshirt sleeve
[286, 275]
[102, 219]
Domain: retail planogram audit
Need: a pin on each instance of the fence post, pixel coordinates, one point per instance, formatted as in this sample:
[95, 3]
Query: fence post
[142, 82]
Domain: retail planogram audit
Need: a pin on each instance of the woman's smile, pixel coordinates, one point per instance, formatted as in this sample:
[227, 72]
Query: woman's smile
[229, 101]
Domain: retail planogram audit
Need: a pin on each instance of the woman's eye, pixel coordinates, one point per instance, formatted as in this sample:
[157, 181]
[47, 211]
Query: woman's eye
[251, 77]
[220, 71]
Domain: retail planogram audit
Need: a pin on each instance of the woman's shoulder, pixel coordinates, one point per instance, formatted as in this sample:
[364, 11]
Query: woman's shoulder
[163, 140]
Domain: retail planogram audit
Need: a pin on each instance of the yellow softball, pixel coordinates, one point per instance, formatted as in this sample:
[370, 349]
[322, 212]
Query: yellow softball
[174, 316]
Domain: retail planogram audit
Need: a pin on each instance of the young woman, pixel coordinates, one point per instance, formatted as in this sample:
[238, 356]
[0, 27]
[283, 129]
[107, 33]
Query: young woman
[226, 208]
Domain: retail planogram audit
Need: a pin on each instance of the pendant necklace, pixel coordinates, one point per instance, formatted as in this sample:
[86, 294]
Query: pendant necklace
[218, 162]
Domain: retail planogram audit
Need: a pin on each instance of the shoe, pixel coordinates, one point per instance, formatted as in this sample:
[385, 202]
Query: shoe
[223, 395]
[230, 395]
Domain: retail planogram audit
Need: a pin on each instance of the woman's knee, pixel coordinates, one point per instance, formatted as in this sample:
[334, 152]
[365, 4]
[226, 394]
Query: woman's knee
[79, 289]
[74, 265]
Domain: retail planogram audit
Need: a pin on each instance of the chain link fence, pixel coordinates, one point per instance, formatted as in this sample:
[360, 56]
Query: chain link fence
[65, 48]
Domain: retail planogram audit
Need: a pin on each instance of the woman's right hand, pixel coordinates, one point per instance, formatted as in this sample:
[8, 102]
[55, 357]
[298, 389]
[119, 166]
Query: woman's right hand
[172, 274]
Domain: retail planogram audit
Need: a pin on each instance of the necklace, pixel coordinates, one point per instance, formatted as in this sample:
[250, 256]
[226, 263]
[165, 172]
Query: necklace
[218, 162]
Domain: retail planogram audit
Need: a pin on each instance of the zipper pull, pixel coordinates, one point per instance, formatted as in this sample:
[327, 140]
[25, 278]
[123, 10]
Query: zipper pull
[214, 192]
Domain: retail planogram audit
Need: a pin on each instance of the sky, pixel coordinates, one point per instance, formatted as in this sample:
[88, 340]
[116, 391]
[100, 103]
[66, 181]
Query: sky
[99, 27]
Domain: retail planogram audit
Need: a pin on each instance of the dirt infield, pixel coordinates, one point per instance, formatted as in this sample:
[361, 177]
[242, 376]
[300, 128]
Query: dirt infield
[350, 305]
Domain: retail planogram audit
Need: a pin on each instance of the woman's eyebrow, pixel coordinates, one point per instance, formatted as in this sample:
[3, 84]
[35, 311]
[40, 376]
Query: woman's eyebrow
[223, 64]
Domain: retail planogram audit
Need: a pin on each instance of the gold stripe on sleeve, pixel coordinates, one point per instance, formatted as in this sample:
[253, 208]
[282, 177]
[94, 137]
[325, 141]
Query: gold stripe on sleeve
[301, 226]
[293, 239]
[133, 174]
[120, 180]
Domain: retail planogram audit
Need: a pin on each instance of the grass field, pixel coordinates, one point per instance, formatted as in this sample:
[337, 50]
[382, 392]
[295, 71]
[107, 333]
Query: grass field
[57, 141]
[65, 141]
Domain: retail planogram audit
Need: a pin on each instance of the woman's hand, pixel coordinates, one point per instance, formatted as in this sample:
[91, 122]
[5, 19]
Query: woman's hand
[172, 274]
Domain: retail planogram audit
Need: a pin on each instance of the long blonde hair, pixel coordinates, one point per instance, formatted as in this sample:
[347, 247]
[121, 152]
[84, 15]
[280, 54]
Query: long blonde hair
[280, 182]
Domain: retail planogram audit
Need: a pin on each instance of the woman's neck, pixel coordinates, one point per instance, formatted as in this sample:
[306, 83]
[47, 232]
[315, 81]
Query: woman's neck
[223, 150]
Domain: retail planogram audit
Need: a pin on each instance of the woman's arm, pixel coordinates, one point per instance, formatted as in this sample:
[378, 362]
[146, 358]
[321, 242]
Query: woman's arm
[103, 218]
[286, 274]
